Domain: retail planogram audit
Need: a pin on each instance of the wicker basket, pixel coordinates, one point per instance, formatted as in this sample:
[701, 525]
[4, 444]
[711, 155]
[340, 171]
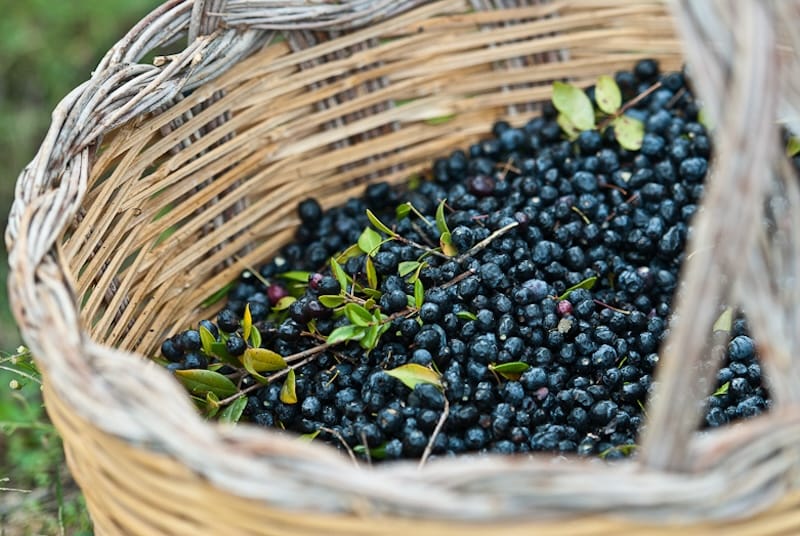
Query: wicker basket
[159, 182]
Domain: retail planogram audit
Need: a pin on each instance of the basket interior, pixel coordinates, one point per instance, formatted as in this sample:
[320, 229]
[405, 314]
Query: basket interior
[181, 201]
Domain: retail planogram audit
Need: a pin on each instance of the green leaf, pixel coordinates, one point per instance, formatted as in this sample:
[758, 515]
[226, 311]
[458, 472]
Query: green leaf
[440, 120]
[308, 438]
[370, 241]
[378, 224]
[295, 275]
[216, 296]
[262, 360]
[346, 333]
[510, 371]
[331, 300]
[466, 315]
[255, 337]
[284, 303]
[587, 284]
[349, 253]
[724, 322]
[358, 315]
[446, 243]
[574, 104]
[370, 339]
[247, 322]
[723, 390]
[629, 132]
[372, 294]
[201, 381]
[625, 450]
[567, 127]
[377, 453]
[233, 412]
[704, 119]
[207, 339]
[372, 275]
[220, 351]
[413, 374]
[288, 390]
[406, 267]
[415, 276]
[212, 404]
[419, 293]
[793, 146]
[607, 95]
[441, 222]
[338, 273]
[402, 211]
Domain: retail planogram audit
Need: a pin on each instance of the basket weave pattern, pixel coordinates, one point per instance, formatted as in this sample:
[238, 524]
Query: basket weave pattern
[158, 183]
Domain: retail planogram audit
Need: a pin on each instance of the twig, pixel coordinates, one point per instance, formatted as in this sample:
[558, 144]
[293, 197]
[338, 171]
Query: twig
[628, 105]
[436, 431]
[420, 231]
[20, 373]
[278, 375]
[337, 435]
[457, 279]
[411, 243]
[480, 246]
[367, 453]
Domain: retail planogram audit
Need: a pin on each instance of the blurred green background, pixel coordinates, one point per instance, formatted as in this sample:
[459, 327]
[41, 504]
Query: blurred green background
[46, 49]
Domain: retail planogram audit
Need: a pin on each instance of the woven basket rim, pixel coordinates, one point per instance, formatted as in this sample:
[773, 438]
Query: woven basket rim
[48, 195]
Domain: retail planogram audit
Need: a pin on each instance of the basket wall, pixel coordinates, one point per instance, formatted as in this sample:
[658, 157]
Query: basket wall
[141, 222]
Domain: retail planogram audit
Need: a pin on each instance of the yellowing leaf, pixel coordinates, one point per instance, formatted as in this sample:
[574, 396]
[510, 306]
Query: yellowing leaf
[201, 382]
[446, 243]
[284, 303]
[413, 374]
[263, 360]
[247, 322]
[372, 275]
[607, 95]
[629, 132]
[725, 321]
[510, 371]
[233, 412]
[369, 241]
[793, 146]
[574, 104]
[288, 390]
[207, 339]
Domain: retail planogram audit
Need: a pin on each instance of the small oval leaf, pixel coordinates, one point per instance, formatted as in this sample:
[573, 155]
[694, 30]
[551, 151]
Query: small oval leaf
[288, 390]
[413, 374]
[357, 315]
[232, 413]
[629, 132]
[202, 382]
[446, 243]
[346, 333]
[466, 315]
[255, 337]
[263, 360]
[207, 339]
[378, 224]
[284, 303]
[372, 275]
[510, 371]
[402, 211]
[295, 275]
[247, 322]
[793, 146]
[308, 438]
[607, 95]
[574, 104]
[370, 241]
[406, 267]
[331, 300]
[725, 321]
[567, 127]
[587, 284]
[441, 222]
[419, 293]
[338, 273]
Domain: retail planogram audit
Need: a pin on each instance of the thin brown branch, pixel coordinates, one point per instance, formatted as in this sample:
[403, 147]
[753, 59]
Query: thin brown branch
[436, 432]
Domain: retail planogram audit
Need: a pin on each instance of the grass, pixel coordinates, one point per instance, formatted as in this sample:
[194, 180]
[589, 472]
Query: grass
[46, 49]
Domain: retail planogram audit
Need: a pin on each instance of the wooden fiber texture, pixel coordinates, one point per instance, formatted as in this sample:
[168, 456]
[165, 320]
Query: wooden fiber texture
[159, 181]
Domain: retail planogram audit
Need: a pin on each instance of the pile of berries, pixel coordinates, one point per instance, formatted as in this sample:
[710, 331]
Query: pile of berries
[529, 279]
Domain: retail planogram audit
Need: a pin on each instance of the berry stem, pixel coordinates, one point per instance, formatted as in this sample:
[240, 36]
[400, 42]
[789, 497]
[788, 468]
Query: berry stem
[483, 244]
[436, 431]
[335, 433]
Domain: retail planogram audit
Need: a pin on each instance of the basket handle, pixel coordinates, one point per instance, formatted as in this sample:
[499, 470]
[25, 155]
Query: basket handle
[733, 52]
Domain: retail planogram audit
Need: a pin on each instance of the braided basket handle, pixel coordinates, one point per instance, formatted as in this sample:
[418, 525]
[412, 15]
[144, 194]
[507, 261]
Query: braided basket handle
[745, 74]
